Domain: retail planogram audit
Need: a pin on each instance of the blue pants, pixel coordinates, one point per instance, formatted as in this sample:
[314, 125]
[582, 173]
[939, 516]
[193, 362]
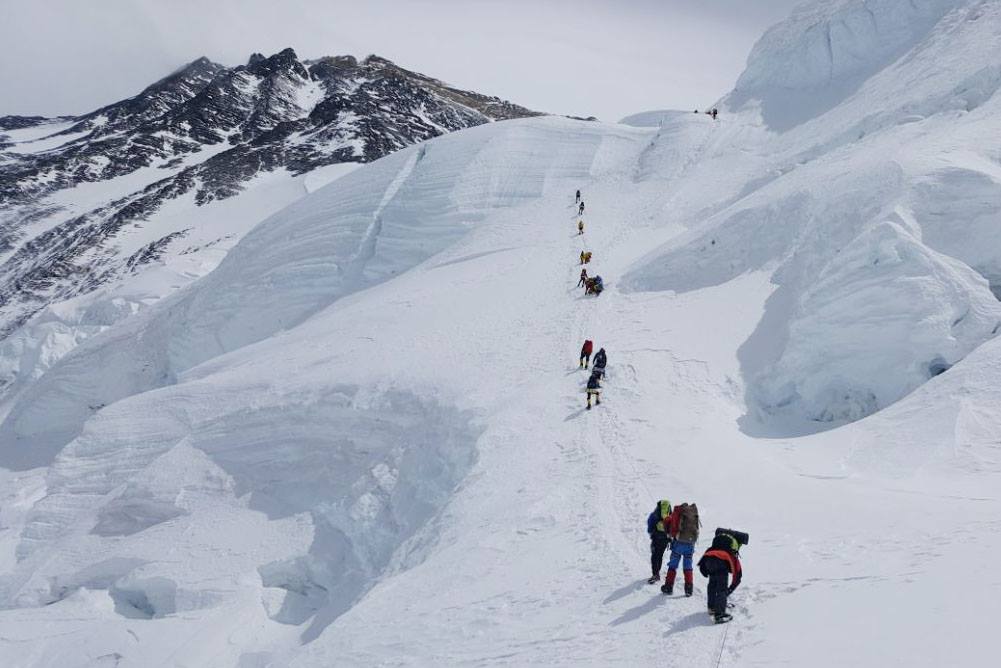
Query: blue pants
[679, 550]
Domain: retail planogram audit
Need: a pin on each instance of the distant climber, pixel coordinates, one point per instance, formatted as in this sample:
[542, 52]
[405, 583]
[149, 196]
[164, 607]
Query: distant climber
[600, 358]
[713, 113]
[585, 257]
[720, 559]
[580, 227]
[683, 529]
[593, 390]
[657, 527]
[583, 277]
[580, 209]
[585, 353]
[578, 197]
[593, 286]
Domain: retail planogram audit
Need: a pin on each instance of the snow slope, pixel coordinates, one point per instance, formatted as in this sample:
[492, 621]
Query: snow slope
[209, 231]
[131, 201]
[361, 440]
[911, 152]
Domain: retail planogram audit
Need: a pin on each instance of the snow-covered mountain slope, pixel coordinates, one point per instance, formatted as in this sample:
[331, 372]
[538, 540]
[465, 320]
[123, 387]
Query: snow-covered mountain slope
[362, 440]
[170, 179]
[842, 205]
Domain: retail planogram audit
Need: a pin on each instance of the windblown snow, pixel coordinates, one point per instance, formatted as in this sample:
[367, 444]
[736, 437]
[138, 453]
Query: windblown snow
[361, 439]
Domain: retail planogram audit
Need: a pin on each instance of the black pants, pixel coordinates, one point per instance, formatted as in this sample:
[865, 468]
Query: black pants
[585, 359]
[717, 589]
[658, 545]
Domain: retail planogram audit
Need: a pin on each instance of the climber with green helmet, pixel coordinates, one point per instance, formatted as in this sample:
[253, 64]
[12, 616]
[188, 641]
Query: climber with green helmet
[657, 527]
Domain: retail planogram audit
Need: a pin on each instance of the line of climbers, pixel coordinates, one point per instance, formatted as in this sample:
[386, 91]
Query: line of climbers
[676, 527]
[593, 285]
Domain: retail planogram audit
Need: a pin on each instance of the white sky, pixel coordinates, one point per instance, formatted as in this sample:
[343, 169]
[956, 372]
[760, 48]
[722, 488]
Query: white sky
[607, 58]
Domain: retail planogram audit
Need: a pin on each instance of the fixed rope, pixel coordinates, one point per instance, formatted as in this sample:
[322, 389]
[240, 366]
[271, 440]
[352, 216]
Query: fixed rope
[719, 660]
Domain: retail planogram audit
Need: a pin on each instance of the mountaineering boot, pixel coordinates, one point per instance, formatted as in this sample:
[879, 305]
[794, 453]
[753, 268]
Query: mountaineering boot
[722, 618]
[689, 585]
[653, 579]
[668, 587]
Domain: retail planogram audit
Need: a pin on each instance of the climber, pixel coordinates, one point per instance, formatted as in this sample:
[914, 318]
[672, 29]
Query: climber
[585, 353]
[593, 389]
[593, 286]
[683, 529]
[719, 560]
[580, 210]
[656, 526]
[600, 358]
[578, 197]
[580, 227]
[713, 113]
[583, 277]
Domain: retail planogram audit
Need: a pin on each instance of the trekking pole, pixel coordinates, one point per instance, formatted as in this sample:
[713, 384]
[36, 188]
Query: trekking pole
[722, 645]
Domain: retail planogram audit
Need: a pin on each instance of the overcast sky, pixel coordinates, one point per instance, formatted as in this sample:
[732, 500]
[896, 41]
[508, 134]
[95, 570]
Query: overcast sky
[607, 58]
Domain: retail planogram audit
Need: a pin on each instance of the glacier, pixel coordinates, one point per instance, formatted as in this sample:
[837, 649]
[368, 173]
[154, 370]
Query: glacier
[361, 439]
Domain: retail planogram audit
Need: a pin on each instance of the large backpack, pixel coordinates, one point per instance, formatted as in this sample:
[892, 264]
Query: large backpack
[688, 525]
[726, 542]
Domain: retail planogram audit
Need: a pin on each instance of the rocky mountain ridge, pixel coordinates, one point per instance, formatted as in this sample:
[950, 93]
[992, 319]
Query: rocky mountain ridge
[199, 135]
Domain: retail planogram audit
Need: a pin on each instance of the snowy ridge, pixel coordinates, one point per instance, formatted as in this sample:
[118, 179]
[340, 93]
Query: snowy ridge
[825, 51]
[164, 183]
[878, 165]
